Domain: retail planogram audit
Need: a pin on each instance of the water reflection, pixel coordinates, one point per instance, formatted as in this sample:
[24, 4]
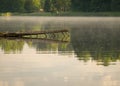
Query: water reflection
[100, 44]
[11, 46]
[91, 54]
[94, 39]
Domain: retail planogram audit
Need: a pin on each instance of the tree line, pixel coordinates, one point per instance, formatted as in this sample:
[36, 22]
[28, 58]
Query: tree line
[59, 5]
[96, 5]
[19, 5]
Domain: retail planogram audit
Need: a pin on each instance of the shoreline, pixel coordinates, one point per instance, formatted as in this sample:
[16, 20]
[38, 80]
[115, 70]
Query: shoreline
[66, 14]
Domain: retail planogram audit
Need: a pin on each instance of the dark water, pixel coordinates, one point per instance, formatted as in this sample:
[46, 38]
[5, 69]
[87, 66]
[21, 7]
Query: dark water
[89, 52]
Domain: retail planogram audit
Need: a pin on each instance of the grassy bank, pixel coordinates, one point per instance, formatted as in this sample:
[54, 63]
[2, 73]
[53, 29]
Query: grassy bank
[116, 14]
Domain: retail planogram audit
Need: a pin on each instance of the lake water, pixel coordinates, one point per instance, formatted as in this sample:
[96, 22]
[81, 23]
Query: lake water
[88, 55]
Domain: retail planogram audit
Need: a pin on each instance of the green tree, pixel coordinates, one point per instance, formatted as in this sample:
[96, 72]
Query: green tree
[81, 5]
[100, 5]
[32, 5]
[115, 5]
[12, 6]
[36, 5]
[2, 5]
[57, 5]
[47, 5]
[65, 5]
[17, 5]
[28, 5]
[42, 3]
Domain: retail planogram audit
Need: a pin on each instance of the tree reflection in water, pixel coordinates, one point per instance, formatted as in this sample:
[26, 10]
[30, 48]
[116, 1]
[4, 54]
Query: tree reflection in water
[16, 45]
[11, 46]
[101, 45]
[90, 40]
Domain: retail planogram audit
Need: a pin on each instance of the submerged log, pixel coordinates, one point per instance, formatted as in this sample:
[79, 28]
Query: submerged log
[21, 34]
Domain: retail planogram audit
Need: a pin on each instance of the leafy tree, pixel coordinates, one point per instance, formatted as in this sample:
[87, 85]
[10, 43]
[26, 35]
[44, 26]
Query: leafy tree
[2, 5]
[42, 3]
[100, 5]
[81, 5]
[32, 5]
[36, 5]
[17, 5]
[12, 6]
[57, 5]
[65, 5]
[28, 5]
[47, 5]
[115, 5]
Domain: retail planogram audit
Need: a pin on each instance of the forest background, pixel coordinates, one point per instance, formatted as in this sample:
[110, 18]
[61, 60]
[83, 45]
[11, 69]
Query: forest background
[59, 6]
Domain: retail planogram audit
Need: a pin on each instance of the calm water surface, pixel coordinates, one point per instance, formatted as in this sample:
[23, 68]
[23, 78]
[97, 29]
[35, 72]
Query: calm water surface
[88, 55]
